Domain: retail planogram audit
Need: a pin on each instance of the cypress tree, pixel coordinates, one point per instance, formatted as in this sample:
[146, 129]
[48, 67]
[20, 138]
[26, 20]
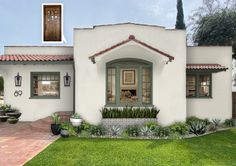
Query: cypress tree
[180, 16]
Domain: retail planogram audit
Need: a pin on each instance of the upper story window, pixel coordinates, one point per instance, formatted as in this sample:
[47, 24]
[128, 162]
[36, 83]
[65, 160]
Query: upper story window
[45, 85]
[198, 85]
[129, 82]
[52, 23]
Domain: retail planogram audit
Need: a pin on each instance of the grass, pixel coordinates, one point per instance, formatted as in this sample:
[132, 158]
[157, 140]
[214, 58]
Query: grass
[217, 149]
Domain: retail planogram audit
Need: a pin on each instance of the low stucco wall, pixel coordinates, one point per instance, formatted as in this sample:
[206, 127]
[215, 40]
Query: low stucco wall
[33, 109]
[220, 105]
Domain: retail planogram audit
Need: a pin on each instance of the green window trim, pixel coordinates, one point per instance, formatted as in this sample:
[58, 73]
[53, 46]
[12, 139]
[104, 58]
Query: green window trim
[197, 76]
[129, 63]
[32, 74]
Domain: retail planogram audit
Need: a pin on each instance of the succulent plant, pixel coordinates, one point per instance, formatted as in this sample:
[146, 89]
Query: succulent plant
[197, 127]
[115, 130]
[145, 131]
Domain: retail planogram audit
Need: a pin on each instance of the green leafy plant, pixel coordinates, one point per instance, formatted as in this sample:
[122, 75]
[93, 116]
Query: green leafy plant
[151, 125]
[180, 128]
[197, 127]
[5, 107]
[146, 131]
[56, 119]
[230, 122]
[69, 127]
[76, 116]
[85, 126]
[162, 131]
[132, 131]
[97, 130]
[130, 112]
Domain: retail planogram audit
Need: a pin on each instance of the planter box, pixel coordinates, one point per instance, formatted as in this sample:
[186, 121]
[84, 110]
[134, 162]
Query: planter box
[124, 122]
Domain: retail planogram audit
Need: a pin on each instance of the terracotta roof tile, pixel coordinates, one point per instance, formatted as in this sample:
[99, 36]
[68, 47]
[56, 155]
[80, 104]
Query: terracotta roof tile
[35, 58]
[206, 67]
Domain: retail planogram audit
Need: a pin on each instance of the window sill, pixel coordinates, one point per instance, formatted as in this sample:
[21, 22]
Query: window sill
[45, 97]
[198, 97]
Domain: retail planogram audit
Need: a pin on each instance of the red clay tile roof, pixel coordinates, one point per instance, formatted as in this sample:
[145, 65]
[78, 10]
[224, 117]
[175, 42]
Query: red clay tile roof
[132, 38]
[206, 67]
[35, 58]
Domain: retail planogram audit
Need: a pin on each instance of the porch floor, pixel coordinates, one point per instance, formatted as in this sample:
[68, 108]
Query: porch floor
[20, 142]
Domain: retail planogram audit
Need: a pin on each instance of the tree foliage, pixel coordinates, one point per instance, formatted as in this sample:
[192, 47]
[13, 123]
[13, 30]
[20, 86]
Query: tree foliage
[180, 16]
[214, 23]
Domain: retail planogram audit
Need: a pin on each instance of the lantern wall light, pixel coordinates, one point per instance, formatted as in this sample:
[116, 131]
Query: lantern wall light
[18, 80]
[67, 80]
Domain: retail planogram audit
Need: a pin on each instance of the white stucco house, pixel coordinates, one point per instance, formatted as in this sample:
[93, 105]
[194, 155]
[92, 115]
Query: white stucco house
[153, 64]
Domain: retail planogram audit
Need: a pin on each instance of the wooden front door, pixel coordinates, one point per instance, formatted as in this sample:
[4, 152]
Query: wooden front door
[234, 104]
[52, 23]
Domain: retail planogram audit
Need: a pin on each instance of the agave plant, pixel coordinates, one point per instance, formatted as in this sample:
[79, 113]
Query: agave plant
[197, 127]
[216, 122]
[115, 130]
[145, 131]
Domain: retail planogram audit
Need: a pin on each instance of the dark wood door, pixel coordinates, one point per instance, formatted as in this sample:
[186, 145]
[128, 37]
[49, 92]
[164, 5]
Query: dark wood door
[52, 23]
[234, 104]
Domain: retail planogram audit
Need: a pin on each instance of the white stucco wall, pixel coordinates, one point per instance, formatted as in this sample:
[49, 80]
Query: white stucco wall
[33, 109]
[168, 80]
[220, 105]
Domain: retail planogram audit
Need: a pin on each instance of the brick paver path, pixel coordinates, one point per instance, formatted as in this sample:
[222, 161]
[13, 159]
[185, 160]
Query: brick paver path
[19, 143]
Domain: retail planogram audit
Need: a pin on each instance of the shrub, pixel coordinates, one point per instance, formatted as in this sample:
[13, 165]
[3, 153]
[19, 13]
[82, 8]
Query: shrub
[197, 127]
[151, 125]
[115, 130]
[85, 126]
[162, 131]
[145, 131]
[133, 131]
[191, 119]
[130, 112]
[97, 130]
[179, 127]
[230, 122]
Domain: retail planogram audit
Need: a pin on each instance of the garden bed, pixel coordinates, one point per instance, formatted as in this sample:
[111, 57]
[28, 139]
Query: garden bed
[125, 122]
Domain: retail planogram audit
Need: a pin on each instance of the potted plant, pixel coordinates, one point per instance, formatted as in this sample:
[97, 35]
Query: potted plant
[12, 120]
[75, 120]
[4, 108]
[65, 126]
[3, 118]
[14, 113]
[56, 124]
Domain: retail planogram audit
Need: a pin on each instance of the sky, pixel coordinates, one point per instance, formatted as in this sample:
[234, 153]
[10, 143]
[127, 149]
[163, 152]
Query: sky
[20, 20]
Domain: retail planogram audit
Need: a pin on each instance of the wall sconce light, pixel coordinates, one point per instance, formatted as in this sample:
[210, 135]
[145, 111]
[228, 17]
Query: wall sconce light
[18, 79]
[67, 80]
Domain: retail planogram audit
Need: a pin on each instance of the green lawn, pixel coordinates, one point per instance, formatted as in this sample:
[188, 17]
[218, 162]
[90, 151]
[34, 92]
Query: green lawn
[215, 149]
